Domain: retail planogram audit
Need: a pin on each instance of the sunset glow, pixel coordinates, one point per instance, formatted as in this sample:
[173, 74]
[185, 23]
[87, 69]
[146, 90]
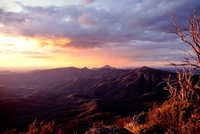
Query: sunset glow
[85, 33]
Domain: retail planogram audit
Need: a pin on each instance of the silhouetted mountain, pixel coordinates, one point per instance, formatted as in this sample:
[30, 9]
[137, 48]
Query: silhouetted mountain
[7, 72]
[107, 66]
[76, 96]
[40, 78]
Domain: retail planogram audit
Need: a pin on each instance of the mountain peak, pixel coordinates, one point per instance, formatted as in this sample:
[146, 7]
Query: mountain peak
[107, 66]
[145, 67]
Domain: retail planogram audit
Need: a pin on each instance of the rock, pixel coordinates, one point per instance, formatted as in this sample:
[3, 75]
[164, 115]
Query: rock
[140, 119]
[108, 130]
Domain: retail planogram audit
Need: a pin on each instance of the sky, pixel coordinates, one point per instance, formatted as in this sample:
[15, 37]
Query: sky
[41, 34]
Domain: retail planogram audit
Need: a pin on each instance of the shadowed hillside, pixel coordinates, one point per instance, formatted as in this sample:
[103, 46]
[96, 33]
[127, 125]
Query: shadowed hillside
[37, 79]
[74, 96]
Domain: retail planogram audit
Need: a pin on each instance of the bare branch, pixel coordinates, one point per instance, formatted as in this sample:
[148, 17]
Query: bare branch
[184, 89]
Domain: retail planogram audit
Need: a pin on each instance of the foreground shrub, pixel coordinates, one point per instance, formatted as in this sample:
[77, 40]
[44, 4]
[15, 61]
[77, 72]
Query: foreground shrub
[134, 127]
[40, 128]
[171, 117]
[37, 128]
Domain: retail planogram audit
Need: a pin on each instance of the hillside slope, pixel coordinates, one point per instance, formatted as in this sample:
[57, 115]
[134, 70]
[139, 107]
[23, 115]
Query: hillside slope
[72, 95]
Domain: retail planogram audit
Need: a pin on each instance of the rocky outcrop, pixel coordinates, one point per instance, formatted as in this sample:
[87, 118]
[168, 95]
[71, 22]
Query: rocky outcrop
[140, 118]
[108, 130]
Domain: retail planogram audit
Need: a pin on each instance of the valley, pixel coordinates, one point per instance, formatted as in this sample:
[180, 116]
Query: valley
[78, 97]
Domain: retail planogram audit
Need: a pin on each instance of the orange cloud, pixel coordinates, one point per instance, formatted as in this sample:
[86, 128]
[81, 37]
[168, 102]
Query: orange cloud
[52, 41]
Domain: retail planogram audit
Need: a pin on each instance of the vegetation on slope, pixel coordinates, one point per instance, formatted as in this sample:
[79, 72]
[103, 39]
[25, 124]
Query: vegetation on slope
[171, 117]
[181, 113]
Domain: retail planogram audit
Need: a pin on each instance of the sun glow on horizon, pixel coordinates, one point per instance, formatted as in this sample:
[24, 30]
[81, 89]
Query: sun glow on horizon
[19, 54]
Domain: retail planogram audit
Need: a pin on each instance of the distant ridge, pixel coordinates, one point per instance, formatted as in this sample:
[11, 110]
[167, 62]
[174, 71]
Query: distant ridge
[7, 72]
[104, 67]
[107, 66]
[72, 95]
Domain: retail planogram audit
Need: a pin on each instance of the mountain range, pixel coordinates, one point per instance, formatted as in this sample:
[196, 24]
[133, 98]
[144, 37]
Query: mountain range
[77, 96]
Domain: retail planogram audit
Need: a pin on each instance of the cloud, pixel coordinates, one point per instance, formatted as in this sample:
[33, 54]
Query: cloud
[89, 20]
[38, 56]
[87, 27]
[35, 54]
[79, 44]
[31, 53]
[9, 45]
[85, 2]
[8, 52]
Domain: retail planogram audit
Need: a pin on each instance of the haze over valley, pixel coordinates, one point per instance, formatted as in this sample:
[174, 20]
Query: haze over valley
[71, 95]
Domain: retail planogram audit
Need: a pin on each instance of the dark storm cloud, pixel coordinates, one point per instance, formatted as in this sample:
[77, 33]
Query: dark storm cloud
[88, 27]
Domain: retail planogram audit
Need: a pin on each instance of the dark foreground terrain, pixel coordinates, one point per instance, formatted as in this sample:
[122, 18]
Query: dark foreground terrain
[76, 98]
